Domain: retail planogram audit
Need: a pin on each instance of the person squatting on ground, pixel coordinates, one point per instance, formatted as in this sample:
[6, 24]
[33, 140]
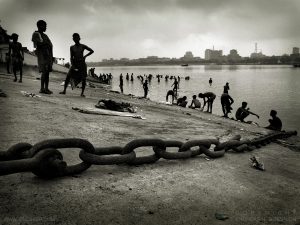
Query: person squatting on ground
[195, 104]
[16, 54]
[226, 102]
[44, 53]
[208, 97]
[78, 70]
[171, 92]
[242, 113]
[275, 122]
[146, 88]
[182, 101]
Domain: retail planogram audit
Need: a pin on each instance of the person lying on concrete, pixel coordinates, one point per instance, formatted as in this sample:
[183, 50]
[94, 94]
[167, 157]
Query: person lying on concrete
[182, 101]
[242, 113]
[208, 97]
[226, 102]
[275, 122]
[195, 104]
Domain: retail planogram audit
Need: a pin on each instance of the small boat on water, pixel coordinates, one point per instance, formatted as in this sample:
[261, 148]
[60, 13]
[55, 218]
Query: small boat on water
[185, 65]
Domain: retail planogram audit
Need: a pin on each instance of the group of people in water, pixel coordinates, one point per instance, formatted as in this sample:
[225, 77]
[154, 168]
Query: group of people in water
[146, 80]
[102, 78]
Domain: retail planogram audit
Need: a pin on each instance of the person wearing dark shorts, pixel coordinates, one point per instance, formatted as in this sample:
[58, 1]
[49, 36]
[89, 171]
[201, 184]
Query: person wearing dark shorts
[17, 56]
[171, 92]
[78, 70]
[208, 97]
[242, 113]
[226, 102]
[44, 53]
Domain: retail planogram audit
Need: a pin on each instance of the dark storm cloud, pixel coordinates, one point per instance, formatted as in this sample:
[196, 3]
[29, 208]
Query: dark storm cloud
[137, 28]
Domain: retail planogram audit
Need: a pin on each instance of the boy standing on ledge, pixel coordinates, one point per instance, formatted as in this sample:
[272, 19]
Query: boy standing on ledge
[78, 70]
[44, 53]
[17, 56]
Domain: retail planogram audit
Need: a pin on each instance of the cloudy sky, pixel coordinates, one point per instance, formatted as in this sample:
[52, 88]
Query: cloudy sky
[165, 28]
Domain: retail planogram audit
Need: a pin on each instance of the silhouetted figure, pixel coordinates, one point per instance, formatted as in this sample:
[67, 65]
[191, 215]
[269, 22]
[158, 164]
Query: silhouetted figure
[226, 102]
[171, 92]
[44, 53]
[7, 61]
[242, 112]
[182, 102]
[146, 88]
[226, 88]
[195, 104]
[131, 77]
[175, 84]
[275, 122]
[121, 83]
[210, 81]
[127, 76]
[208, 97]
[92, 72]
[17, 56]
[78, 70]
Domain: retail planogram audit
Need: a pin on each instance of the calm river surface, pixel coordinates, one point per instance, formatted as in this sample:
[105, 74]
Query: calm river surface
[263, 87]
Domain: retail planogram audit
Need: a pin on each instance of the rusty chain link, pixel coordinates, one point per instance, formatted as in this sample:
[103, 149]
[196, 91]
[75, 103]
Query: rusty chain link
[45, 160]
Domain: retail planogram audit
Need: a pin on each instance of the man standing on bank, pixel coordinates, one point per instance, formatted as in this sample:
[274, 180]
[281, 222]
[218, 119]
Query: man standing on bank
[44, 53]
[78, 70]
[208, 97]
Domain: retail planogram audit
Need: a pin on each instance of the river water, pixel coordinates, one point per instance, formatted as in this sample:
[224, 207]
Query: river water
[264, 87]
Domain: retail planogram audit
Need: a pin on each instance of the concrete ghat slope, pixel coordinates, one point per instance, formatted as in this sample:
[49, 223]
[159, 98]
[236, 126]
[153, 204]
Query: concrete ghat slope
[31, 60]
[168, 192]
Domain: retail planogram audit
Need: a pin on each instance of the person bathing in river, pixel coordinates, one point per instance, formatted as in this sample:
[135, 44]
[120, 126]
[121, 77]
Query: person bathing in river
[171, 92]
[226, 102]
[275, 122]
[242, 113]
[195, 104]
[176, 86]
[182, 101]
[208, 97]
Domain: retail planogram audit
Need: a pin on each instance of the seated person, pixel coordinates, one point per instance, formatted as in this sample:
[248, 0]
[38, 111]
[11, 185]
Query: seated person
[195, 102]
[242, 112]
[275, 122]
[182, 101]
